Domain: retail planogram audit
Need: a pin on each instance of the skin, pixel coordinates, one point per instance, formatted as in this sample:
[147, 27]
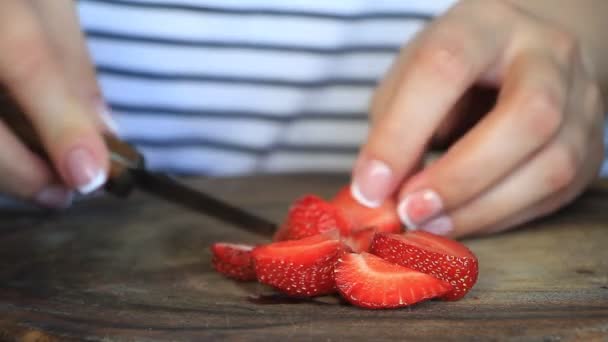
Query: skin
[513, 88]
[528, 153]
[45, 67]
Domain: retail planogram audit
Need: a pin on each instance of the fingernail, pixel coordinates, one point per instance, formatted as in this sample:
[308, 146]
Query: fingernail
[441, 225]
[85, 171]
[54, 197]
[418, 207]
[104, 113]
[371, 184]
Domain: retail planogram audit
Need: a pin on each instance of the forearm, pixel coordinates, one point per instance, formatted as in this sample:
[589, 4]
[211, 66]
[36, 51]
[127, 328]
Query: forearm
[587, 19]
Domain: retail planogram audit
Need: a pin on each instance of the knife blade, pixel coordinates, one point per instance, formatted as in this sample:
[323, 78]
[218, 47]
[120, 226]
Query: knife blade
[161, 185]
[128, 172]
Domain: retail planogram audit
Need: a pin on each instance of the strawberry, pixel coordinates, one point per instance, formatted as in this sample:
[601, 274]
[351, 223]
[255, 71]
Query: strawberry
[302, 268]
[383, 218]
[309, 216]
[438, 256]
[360, 240]
[368, 281]
[233, 260]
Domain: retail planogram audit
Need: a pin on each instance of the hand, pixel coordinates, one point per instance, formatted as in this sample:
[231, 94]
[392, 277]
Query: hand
[535, 150]
[45, 68]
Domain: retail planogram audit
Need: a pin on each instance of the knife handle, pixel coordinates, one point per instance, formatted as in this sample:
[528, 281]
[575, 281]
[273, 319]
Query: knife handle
[122, 155]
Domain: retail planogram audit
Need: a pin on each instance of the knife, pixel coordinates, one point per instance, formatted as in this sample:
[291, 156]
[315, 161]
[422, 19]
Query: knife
[128, 172]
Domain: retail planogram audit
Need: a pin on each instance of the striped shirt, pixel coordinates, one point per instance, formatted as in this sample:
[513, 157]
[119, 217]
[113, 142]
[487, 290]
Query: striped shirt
[241, 86]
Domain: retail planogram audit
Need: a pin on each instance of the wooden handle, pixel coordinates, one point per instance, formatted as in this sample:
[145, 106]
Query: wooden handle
[122, 155]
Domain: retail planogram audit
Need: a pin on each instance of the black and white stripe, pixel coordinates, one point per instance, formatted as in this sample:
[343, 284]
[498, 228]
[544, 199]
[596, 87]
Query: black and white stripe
[234, 86]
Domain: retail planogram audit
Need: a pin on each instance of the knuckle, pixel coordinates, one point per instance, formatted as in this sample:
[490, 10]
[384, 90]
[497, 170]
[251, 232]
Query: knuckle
[446, 57]
[494, 11]
[565, 45]
[544, 113]
[563, 166]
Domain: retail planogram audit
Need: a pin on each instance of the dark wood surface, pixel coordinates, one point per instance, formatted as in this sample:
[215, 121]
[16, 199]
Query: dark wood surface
[138, 269]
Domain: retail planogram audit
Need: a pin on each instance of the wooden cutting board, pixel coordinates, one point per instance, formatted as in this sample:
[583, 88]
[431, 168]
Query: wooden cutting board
[139, 269]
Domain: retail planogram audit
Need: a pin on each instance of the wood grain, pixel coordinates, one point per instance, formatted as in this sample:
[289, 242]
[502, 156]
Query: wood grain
[138, 269]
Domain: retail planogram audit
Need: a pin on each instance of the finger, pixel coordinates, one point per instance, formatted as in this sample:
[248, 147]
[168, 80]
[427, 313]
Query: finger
[591, 98]
[386, 89]
[549, 180]
[550, 174]
[34, 78]
[61, 26]
[530, 107]
[471, 219]
[26, 176]
[445, 62]
[552, 203]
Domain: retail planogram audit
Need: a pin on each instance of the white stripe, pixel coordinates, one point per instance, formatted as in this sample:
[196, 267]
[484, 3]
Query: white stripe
[226, 28]
[212, 161]
[337, 7]
[221, 162]
[604, 169]
[257, 134]
[238, 63]
[266, 99]
[325, 133]
[294, 161]
[251, 133]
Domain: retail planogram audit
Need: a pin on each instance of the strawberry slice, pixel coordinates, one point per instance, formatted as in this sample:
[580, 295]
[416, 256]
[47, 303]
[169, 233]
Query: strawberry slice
[233, 260]
[360, 240]
[383, 218]
[368, 281]
[309, 216]
[438, 256]
[302, 268]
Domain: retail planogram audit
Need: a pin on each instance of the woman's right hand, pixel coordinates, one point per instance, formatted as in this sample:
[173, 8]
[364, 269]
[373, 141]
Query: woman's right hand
[45, 68]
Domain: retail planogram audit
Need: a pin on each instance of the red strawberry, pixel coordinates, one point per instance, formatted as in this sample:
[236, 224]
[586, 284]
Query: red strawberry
[361, 240]
[309, 216]
[384, 218]
[302, 267]
[233, 260]
[367, 281]
[441, 257]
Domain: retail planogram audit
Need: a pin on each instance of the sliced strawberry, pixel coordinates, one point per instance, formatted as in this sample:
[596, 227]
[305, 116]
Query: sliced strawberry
[302, 267]
[367, 281]
[441, 257]
[384, 218]
[360, 240]
[309, 216]
[233, 260]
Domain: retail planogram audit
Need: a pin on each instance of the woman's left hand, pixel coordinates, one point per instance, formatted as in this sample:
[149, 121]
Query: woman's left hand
[538, 147]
